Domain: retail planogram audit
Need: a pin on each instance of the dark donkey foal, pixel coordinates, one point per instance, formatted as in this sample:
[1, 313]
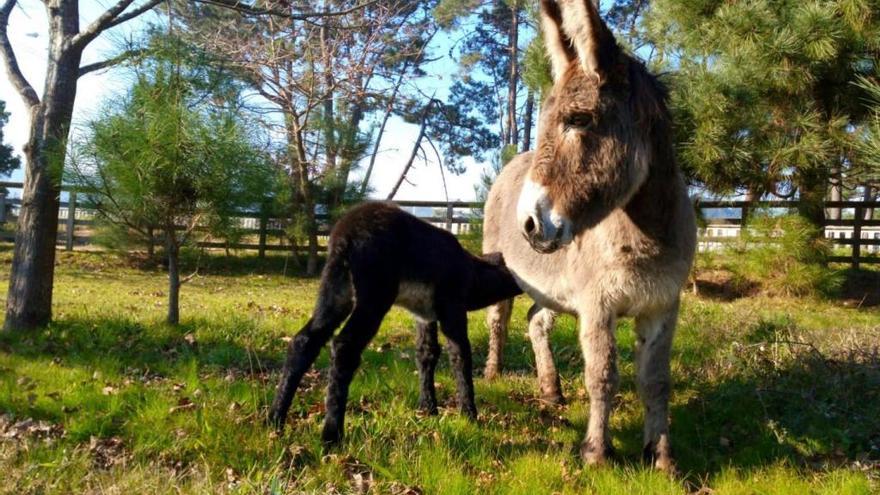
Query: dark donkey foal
[379, 256]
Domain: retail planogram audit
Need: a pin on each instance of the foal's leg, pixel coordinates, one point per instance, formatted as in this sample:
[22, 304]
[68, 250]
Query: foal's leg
[497, 319]
[600, 373]
[334, 304]
[429, 354]
[454, 326]
[653, 347]
[541, 321]
[345, 358]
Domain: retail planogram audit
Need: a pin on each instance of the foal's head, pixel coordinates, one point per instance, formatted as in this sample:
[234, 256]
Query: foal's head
[593, 148]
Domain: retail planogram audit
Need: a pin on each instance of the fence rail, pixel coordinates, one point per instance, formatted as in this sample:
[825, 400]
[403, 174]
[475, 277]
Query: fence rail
[860, 228]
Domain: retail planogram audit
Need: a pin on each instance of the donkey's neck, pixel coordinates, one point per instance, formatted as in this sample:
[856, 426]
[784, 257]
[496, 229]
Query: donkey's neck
[652, 207]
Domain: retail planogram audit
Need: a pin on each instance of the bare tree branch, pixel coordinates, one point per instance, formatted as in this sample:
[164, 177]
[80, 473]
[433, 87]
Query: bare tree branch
[110, 62]
[12, 70]
[111, 17]
[250, 9]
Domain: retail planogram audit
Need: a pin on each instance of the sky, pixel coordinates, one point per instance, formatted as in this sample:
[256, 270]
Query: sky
[27, 33]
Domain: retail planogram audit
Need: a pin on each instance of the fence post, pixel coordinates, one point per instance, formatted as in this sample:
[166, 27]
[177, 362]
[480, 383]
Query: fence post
[857, 237]
[2, 207]
[449, 217]
[71, 220]
[264, 224]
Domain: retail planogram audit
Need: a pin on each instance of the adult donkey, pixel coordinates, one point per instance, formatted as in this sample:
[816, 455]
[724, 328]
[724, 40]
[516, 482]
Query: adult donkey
[596, 222]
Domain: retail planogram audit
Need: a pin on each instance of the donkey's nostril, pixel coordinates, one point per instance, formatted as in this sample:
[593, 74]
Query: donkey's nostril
[530, 225]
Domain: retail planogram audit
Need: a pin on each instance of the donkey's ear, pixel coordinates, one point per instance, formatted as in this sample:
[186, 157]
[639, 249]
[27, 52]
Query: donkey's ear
[592, 40]
[559, 48]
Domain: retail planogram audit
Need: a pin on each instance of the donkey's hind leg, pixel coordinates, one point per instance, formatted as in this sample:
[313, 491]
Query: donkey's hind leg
[333, 306]
[429, 354]
[454, 325]
[653, 347]
[348, 346]
[541, 321]
[497, 319]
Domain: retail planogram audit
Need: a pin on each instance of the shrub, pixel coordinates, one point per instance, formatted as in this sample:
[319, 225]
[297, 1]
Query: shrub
[783, 255]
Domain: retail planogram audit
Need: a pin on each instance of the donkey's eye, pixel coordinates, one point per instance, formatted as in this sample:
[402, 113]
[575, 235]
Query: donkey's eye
[581, 121]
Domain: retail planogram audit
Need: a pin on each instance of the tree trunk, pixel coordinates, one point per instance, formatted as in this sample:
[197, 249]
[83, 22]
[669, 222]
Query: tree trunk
[835, 193]
[308, 202]
[527, 122]
[513, 81]
[867, 195]
[151, 246]
[412, 156]
[172, 250]
[389, 109]
[812, 188]
[31, 277]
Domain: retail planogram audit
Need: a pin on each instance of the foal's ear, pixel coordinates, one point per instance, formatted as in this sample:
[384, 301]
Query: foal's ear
[558, 45]
[590, 38]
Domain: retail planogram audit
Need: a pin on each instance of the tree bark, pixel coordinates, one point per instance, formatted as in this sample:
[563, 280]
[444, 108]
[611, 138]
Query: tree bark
[29, 300]
[151, 239]
[867, 195]
[412, 156]
[527, 123]
[812, 188]
[513, 80]
[305, 194]
[835, 193]
[172, 250]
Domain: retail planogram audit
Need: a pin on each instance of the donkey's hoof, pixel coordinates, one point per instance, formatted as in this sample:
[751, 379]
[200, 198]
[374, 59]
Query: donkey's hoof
[554, 398]
[492, 372]
[596, 456]
[660, 458]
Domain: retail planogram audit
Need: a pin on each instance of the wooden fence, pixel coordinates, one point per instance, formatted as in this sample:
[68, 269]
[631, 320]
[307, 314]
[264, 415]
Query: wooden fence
[724, 220]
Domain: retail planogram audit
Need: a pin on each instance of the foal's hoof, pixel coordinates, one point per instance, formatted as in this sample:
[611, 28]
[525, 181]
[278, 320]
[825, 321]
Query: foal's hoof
[596, 456]
[274, 420]
[470, 412]
[428, 408]
[331, 437]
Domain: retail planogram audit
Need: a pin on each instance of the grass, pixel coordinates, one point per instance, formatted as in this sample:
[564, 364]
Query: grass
[772, 395]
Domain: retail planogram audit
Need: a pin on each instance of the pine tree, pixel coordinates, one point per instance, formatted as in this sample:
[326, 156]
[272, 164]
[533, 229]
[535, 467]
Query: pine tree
[8, 160]
[763, 91]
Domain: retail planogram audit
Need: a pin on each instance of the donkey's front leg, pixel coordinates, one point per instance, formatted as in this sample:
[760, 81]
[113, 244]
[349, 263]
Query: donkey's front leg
[653, 347]
[541, 321]
[429, 354]
[497, 319]
[600, 373]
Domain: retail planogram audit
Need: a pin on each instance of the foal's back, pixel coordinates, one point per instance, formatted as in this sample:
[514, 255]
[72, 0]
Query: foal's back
[387, 248]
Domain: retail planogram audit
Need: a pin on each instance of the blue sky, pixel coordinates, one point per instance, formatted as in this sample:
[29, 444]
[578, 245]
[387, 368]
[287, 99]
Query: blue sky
[27, 32]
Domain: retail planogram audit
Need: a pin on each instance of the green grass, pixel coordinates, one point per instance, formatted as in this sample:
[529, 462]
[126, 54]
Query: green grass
[772, 395]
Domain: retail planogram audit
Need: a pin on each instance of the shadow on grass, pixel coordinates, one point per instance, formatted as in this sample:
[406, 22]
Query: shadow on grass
[812, 411]
[119, 343]
[860, 288]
